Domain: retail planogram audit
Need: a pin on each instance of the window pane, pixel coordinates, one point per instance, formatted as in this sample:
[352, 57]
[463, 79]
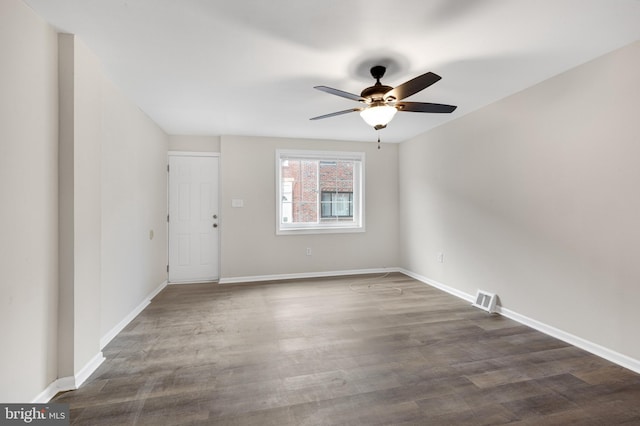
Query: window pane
[336, 180]
[337, 205]
[287, 202]
[299, 181]
[343, 204]
[325, 206]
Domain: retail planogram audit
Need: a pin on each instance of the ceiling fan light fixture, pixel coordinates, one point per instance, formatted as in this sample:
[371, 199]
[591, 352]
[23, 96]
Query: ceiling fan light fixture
[378, 116]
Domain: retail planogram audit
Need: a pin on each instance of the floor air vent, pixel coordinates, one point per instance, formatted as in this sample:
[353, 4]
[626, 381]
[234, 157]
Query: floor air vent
[485, 301]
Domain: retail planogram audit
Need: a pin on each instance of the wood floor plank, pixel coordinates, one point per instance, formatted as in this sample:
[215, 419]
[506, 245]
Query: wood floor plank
[381, 349]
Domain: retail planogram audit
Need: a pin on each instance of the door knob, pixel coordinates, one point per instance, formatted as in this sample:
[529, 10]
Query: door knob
[215, 216]
[215, 225]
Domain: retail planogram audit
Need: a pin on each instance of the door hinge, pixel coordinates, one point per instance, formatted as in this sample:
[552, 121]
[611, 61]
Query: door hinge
[167, 218]
[167, 168]
[167, 268]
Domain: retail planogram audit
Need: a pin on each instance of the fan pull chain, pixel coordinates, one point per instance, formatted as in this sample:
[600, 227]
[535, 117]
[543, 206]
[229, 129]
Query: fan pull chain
[378, 139]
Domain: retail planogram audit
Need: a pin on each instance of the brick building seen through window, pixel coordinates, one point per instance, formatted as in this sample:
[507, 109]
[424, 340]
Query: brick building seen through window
[317, 190]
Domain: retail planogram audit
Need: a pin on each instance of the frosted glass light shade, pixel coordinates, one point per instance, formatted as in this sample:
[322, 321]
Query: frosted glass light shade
[378, 116]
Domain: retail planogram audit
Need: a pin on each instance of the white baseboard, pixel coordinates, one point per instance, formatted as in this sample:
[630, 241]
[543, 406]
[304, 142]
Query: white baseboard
[104, 341]
[59, 385]
[187, 282]
[64, 384]
[84, 373]
[606, 353]
[71, 383]
[158, 289]
[433, 283]
[278, 277]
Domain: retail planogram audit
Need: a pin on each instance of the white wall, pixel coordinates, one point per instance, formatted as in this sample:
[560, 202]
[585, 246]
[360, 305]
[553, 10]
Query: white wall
[66, 193]
[79, 202]
[29, 212]
[118, 227]
[249, 244]
[194, 143]
[88, 141]
[134, 205]
[535, 198]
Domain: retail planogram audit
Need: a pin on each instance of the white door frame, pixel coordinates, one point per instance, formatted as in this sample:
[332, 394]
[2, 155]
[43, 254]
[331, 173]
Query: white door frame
[193, 154]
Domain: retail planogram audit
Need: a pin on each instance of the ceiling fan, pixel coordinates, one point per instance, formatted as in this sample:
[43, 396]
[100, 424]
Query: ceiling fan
[382, 102]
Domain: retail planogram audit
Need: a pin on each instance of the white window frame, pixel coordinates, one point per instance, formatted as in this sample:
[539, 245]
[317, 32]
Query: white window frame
[357, 225]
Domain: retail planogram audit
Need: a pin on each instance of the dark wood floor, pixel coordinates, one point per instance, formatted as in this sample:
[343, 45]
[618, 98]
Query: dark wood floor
[375, 350]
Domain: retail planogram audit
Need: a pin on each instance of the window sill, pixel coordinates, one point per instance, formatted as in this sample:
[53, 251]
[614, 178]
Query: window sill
[308, 231]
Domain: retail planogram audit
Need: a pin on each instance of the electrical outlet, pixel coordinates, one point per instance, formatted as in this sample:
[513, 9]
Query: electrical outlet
[441, 257]
[308, 251]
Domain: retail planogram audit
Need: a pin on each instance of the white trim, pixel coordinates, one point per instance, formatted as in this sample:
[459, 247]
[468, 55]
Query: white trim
[86, 371]
[433, 283]
[315, 229]
[60, 385]
[155, 292]
[279, 277]
[193, 154]
[316, 154]
[598, 350]
[104, 341]
[66, 384]
[606, 353]
[211, 281]
[69, 383]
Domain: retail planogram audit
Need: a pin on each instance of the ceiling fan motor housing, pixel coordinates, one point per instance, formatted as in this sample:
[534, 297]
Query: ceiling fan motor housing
[375, 92]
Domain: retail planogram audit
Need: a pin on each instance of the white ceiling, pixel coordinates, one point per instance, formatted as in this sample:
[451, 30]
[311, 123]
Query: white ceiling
[248, 67]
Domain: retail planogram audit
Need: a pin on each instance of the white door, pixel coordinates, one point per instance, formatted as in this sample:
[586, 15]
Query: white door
[193, 219]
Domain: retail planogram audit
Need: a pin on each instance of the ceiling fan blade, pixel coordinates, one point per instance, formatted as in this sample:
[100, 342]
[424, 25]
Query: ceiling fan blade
[412, 86]
[333, 114]
[424, 107]
[340, 93]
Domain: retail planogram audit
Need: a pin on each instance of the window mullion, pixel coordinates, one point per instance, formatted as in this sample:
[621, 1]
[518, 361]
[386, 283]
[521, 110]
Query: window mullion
[318, 212]
[334, 198]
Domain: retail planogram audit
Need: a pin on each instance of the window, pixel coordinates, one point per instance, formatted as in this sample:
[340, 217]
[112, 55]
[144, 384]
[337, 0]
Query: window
[319, 192]
[336, 204]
